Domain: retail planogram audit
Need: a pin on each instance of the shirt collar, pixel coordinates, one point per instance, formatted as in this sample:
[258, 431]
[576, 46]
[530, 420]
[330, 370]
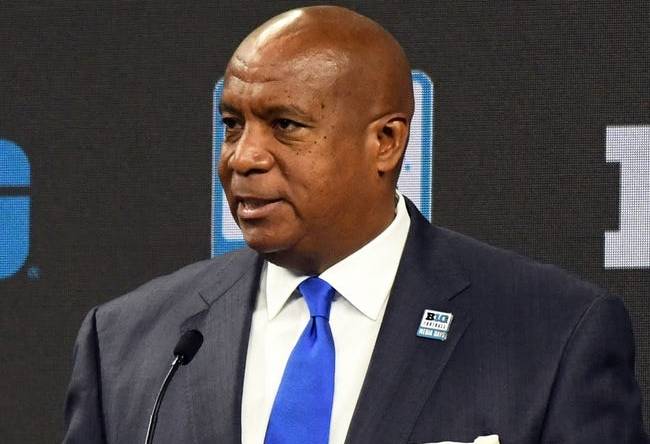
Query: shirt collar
[364, 278]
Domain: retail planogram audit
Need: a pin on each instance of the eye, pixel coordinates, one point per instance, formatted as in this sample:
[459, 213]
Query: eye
[286, 124]
[230, 122]
[233, 128]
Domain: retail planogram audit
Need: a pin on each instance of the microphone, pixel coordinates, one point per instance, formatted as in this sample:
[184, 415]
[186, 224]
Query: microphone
[186, 347]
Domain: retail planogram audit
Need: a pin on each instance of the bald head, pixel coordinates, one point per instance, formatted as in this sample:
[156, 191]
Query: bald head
[317, 104]
[366, 66]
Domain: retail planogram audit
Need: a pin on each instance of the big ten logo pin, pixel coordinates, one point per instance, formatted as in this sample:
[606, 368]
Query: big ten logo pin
[435, 325]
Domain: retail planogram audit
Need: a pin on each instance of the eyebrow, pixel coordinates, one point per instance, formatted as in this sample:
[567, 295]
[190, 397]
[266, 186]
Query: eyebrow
[270, 111]
[286, 109]
[226, 107]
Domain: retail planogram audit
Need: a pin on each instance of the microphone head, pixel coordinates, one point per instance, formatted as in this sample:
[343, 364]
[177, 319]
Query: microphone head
[187, 346]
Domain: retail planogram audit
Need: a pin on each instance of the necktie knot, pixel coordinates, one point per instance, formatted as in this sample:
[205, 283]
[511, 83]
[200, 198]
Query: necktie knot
[318, 294]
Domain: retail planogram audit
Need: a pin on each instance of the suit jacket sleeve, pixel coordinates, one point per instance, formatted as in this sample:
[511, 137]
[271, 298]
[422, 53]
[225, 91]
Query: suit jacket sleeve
[83, 408]
[595, 397]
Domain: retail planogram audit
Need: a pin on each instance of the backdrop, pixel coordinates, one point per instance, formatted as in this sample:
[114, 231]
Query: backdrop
[539, 130]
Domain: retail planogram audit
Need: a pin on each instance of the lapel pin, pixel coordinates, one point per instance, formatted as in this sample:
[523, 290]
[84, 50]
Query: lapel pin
[435, 325]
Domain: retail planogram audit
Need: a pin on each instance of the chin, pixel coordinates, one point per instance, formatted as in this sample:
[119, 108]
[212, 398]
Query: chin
[280, 253]
[264, 244]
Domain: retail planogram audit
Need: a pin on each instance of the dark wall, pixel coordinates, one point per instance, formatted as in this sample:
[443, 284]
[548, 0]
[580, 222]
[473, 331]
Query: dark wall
[112, 103]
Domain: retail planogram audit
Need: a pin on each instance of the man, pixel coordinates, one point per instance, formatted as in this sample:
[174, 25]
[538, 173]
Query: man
[312, 334]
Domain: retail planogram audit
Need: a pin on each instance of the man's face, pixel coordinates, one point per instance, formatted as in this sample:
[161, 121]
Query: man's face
[294, 164]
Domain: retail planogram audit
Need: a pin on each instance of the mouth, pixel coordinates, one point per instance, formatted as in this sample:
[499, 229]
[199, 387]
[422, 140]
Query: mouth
[255, 208]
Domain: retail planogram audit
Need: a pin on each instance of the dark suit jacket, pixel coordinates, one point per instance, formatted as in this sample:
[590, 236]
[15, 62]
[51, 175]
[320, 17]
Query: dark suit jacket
[533, 354]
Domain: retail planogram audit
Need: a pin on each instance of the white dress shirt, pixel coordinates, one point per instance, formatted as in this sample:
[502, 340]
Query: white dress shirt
[362, 282]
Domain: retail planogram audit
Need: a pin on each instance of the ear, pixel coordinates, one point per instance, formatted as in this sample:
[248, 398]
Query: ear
[388, 137]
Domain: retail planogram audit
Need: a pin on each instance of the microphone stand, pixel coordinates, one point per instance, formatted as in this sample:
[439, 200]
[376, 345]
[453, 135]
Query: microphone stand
[178, 360]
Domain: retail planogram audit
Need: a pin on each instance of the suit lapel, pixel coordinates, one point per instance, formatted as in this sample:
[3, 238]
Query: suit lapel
[214, 380]
[403, 370]
[404, 367]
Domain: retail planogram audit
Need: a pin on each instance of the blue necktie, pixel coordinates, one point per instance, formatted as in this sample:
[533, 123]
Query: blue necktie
[303, 405]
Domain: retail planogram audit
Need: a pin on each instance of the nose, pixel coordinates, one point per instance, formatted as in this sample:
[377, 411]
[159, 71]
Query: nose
[250, 155]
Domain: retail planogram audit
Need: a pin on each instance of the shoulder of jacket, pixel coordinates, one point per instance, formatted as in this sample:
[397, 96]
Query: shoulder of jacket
[185, 280]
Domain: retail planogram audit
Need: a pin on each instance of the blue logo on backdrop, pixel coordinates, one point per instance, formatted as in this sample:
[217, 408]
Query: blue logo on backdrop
[414, 181]
[14, 208]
